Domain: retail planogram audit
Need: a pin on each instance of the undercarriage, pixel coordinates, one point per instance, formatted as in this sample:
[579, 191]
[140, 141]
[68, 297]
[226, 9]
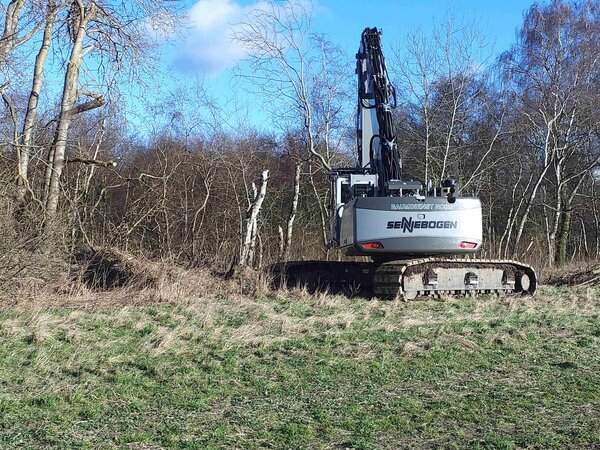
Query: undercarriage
[410, 279]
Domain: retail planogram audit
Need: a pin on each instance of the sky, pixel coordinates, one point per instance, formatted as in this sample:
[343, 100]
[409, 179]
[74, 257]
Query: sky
[206, 52]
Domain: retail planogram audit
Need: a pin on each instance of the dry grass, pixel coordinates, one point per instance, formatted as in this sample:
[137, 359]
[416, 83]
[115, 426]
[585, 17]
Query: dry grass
[140, 282]
[265, 316]
[242, 312]
[263, 313]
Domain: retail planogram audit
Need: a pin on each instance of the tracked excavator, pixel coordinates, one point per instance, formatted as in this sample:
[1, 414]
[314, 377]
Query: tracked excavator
[420, 238]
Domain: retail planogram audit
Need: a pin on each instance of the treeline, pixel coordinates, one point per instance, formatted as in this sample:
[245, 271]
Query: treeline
[522, 135]
[519, 131]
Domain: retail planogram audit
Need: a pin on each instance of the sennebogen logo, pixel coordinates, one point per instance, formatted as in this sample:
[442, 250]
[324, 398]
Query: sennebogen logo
[407, 225]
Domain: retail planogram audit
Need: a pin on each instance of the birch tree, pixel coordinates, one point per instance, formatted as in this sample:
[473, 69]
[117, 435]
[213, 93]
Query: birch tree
[14, 32]
[297, 74]
[258, 196]
[443, 91]
[26, 140]
[113, 35]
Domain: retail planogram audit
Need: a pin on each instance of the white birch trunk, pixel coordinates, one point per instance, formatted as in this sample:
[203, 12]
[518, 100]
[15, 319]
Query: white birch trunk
[56, 157]
[251, 224]
[8, 40]
[292, 215]
[26, 143]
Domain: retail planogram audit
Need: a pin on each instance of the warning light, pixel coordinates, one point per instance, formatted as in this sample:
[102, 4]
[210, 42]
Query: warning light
[373, 245]
[465, 244]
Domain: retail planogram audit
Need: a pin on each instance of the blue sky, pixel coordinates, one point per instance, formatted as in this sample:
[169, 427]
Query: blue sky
[205, 51]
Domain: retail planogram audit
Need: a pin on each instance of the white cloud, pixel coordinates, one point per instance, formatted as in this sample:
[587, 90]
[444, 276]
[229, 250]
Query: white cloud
[207, 14]
[209, 47]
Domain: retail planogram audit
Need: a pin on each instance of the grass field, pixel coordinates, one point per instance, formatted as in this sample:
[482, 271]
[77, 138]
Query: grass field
[295, 371]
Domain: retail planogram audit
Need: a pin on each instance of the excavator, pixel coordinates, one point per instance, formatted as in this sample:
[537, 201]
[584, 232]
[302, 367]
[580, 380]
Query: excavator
[415, 239]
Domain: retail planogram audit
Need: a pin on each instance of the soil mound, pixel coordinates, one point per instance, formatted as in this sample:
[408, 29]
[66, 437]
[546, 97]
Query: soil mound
[106, 269]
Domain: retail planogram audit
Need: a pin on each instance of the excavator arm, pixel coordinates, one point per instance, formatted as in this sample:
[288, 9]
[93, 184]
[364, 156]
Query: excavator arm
[376, 140]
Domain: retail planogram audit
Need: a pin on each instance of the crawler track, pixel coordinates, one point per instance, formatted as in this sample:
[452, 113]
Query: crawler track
[410, 279]
[452, 277]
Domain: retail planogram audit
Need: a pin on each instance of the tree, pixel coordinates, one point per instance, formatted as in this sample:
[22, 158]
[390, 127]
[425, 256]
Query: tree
[26, 141]
[114, 34]
[12, 35]
[299, 75]
[258, 196]
[448, 123]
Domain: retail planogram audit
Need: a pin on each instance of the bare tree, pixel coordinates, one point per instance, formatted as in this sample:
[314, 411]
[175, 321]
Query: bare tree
[114, 35]
[298, 75]
[26, 141]
[442, 84]
[81, 15]
[287, 243]
[12, 33]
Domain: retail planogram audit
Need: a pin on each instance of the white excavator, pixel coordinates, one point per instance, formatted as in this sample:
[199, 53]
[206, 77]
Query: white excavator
[417, 236]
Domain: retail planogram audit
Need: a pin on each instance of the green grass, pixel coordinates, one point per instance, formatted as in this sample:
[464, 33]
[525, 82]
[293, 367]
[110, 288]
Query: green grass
[309, 372]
